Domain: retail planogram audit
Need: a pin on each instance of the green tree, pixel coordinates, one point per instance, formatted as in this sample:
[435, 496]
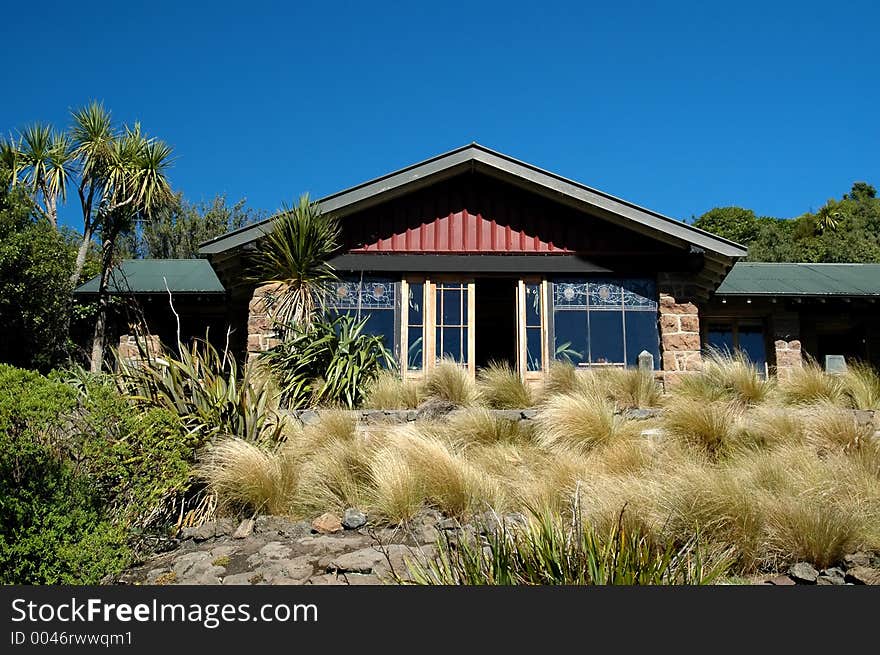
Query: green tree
[734, 223]
[177, 230]
[47, 164]
[35, 264]
[295, 255]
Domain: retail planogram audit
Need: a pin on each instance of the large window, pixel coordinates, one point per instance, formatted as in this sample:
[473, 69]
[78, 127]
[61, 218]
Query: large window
[451, 303]
[372, 298]
[415, 326]
[603, 321]
[747, 336]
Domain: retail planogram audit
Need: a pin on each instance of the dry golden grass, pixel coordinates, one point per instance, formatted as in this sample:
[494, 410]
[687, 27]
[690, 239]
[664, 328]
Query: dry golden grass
[727, 376]
[388, 391]
[578, 422]
[712, 427]
[246, 476]
[451, 382]
[861, 384]
[833, 427]
[811, 384]
[500, 387]
[480, 426]
[628, 387]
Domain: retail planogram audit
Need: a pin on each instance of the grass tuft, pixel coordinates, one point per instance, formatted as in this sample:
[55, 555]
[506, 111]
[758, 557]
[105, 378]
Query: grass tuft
[388, 391]
[579, 423]
[451, 382]
[501, 387]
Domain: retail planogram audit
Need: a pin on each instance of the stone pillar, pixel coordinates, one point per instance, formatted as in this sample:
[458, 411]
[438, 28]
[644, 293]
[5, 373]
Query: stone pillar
[134, 348]
[788, 358]
[261, 332]
[679, 339]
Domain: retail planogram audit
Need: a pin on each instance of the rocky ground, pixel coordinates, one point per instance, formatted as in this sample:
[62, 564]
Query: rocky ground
[347, 550]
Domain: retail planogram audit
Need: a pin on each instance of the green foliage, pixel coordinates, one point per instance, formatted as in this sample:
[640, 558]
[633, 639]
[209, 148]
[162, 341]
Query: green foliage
[294, 255]
[35, 265]
[330, 362]
[734, 223]
[81, 476]
[549, 553]
[176, 231]
[207, 391]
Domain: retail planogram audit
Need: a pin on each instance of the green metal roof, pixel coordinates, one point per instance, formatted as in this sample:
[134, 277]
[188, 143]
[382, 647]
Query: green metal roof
[151, 275]
[766, 279]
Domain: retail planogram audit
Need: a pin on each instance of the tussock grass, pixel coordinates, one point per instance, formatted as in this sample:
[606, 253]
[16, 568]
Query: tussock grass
[861, 384]
[247, 476]
[629, 387]
[711, 427]
[481, 426]
[450, 381]
[727, 376]
[811, 384]
[561, 378]
[388, 391]
[578, 422]
[833, 427]
[773, 425]
[500, 387]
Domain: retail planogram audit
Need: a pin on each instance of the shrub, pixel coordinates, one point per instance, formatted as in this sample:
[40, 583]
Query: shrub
[861, 384]
[578, 422]
[329, 362]
[449, 381]
[502, 388]
[388, 391]
[207, 391]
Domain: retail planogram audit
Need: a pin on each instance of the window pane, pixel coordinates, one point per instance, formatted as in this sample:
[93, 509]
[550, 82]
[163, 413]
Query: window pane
[533, 305]
[533, 348]
[451, 307]
[416, 298]
[570, 336]
[606, 337]
[451, 343]
[751, 341]
[464, 346]
[416, 349]
[641, 334]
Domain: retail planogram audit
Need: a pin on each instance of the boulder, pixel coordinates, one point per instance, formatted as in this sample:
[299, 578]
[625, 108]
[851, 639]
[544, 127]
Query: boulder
[353, 518]
[327, 523]
[434, 408]
[863, 575]
[244, 529]
[857, 559]
[834, 576]
[803, 573]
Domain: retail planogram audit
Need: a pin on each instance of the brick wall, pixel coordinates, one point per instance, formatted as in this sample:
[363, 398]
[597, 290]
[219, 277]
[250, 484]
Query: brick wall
[679, 338]
[134, 348]
[788, 358]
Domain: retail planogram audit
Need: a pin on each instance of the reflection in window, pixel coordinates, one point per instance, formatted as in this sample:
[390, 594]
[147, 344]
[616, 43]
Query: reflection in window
[415, 327]
[746, 336]
[371, 298]
[533, 327]
[452, 332]
[605, 321]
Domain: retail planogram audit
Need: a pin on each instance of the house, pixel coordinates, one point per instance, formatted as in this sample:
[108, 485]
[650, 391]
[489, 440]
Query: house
[478, 257]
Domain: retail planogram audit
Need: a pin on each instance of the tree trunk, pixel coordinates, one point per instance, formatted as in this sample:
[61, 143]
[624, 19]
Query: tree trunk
[81, 254]
[97, 359]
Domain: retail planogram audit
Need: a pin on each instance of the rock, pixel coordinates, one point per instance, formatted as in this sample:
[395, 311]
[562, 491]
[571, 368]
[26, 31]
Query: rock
[863, 575]
[352, 519]
[834, 576]
[427, 516]
[859, 558]
[426, 534]
[515, 520]
[781, 581]
[309, 417]
[327, 545]
[640, 413]
[656, 435]
[528, 414]
[199, 533]
[378, 561]
[434, 408]
[803, 573]
[239, 578]
[282, 527]
[487, 523]
[327, 523]
[244, 529]
[448, 524]
[512, 415]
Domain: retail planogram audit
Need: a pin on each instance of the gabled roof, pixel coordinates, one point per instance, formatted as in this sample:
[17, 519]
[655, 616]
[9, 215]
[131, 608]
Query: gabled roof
[797, 279]
[475, 157]
[151, 276]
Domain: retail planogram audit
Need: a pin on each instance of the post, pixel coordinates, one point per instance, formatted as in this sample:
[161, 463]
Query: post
[646, 362]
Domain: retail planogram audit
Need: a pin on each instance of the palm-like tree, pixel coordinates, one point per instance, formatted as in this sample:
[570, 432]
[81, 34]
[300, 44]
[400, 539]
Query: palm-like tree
[133, 185]
[47, 163]
[294, 254]
[10, 161]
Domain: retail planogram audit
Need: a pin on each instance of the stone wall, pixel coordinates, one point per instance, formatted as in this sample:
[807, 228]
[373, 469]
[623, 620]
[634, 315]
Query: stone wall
[134, 348]
[788, 358]
[679, 338]
[261, 332]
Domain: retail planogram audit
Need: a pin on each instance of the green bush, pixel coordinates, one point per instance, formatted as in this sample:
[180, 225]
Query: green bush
[81, 475]
[331, 362]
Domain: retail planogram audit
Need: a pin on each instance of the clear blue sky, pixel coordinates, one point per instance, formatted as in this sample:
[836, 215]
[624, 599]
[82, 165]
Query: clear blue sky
[677, 106]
